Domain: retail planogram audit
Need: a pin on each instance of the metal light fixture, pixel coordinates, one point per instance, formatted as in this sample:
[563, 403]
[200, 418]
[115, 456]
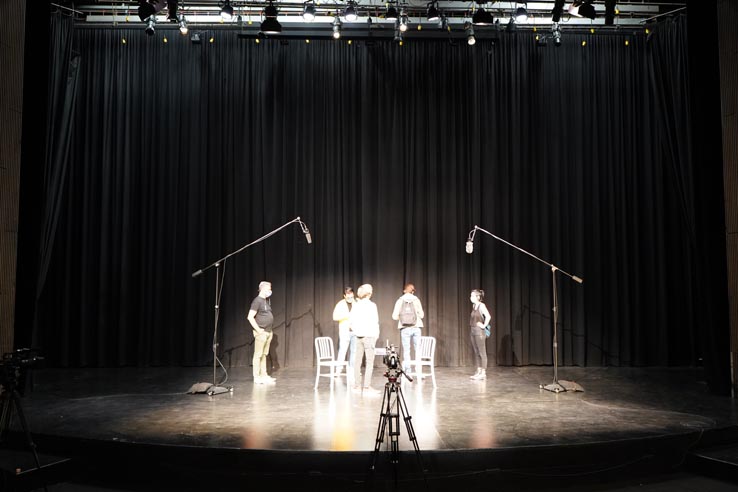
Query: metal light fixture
[580, 8]
[556, 34]
[391, 12]
[482, 18]
[336, 28]
[271, 25]
[308, 11]
[521, 13]
[183, 29]
[226, 10]
[470, 39]
[433, 15]
[151, 25]
[403, 21]
[350, 13]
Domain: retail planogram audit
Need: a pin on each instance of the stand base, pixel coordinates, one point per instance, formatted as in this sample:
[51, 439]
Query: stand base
[561, 386]
[209, 389]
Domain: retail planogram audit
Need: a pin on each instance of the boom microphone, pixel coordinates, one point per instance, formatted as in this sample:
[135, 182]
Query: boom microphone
[470, 247]
[305, 231]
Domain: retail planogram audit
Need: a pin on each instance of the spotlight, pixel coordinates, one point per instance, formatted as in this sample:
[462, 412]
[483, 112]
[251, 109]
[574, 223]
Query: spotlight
[151, 25]
[391, 13]
[482, 18]
[610, 12]
[443, 23]
[403, 21]
[195, 38]
[147, 8]
[521, 13]
[271, 25]
[336, 28]
[557, 11]
[226, 10]
[470, 39]
[350, 12]
[183, 29]
[541, 40]
[172, 11]
[556, 34]
[580, 8]
[308, 11]
[433, 14]
[511, 26]
[398, 37]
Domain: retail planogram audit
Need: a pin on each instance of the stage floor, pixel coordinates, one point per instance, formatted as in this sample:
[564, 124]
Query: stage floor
[508, 410]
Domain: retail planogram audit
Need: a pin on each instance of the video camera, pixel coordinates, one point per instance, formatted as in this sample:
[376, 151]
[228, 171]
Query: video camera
[14, 368]
[392, 361]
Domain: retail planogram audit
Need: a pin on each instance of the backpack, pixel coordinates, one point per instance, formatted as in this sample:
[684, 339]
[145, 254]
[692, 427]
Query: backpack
[408, 317]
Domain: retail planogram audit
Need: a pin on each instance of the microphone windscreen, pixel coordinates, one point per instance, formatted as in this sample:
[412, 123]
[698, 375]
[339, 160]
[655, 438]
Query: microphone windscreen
[470, 247]
[309, 238]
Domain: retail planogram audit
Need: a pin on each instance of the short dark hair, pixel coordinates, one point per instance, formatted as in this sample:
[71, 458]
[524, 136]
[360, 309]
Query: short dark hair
[348, 290]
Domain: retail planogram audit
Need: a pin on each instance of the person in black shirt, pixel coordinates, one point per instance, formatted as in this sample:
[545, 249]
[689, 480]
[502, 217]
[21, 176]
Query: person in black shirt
[261, 319]
[479, 319]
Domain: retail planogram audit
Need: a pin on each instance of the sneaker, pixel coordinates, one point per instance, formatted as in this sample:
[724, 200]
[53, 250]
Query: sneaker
[268, 379]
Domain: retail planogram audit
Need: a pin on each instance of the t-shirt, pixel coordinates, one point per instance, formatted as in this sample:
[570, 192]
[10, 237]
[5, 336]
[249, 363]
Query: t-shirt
[264, 317]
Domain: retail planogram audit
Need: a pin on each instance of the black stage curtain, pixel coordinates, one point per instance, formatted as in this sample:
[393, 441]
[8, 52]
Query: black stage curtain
[180, 153]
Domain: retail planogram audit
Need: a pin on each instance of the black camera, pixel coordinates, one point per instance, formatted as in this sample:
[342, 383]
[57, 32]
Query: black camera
[391, 358]
[14, 368]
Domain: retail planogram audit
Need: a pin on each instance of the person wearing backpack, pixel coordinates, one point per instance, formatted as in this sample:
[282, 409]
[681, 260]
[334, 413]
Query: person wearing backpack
[408, 313]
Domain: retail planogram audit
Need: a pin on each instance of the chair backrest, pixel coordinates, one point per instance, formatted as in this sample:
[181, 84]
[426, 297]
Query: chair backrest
[427, 348]
[324, 348]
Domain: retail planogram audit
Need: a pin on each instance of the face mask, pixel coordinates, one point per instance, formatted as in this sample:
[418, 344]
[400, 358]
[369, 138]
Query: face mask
[349, 298]
[267, 293]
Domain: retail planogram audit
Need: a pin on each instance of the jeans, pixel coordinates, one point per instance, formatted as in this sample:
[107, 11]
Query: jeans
[408, 335]
[364, 346]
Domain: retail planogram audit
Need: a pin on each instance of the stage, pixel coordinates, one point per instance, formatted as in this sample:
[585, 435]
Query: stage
[127, 419]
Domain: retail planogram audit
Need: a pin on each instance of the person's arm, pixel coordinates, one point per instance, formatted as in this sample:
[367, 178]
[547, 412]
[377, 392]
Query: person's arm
[341, 312]
[486, 317]
[252, 320]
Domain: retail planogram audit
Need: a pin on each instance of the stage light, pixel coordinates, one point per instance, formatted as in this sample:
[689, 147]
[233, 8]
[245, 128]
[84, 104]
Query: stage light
[470, 39]
[556, 34]
[196, 38]
[183, 29]
[271, 25]
[557, 11]
[403, 21]
[151, 25]
[511, 26]
[226, 10]
[308, 11]
[521, 13]
[391, 13]
[350, 13]
[443, 23]
[610, 12]
[581, 8]
[151, 7]
[398, 37]
[336, 28]
[482, 18]
[433, 14]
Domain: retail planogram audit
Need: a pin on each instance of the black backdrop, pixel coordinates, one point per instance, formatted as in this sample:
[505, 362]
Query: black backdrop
[163, 157]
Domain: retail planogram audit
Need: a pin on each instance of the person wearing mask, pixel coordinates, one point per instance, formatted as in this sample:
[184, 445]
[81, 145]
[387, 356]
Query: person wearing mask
[480, 318]
[261, 319]
[346, 338]
[364, 321]
[408, 313]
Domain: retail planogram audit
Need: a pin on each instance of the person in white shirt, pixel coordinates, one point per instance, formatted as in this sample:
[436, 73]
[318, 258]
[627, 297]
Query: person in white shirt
[364, 321]
[346, 338]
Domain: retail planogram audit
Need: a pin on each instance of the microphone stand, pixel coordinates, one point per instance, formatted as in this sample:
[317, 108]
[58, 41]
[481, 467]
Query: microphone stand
[557, 386]
[218, 388]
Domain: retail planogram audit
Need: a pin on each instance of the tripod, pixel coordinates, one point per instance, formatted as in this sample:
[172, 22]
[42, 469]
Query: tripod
[393, 404]
[9, 401]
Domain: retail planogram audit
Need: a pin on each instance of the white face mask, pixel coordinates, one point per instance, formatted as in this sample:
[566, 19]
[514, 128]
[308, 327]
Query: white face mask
[349, 299]
[267, 293]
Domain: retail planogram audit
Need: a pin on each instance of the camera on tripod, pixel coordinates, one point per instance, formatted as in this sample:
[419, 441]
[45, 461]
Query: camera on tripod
[14, 369]
[392, 361]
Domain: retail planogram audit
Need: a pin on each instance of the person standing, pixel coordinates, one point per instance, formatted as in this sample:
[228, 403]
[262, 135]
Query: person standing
[364, 321]
[261, 319]
[408, 313]
[346, 338]
[480, 318]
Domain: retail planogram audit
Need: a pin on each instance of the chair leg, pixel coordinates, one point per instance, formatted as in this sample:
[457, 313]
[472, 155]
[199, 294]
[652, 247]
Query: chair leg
[317, 377]
[433, 375]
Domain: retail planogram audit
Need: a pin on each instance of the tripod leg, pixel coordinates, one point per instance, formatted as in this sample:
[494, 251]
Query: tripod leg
[24, 426]
[381, 427]
[411, 433]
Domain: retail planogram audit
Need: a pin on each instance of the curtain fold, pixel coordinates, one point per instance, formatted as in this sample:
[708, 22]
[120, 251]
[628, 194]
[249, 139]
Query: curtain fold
[182, 152]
